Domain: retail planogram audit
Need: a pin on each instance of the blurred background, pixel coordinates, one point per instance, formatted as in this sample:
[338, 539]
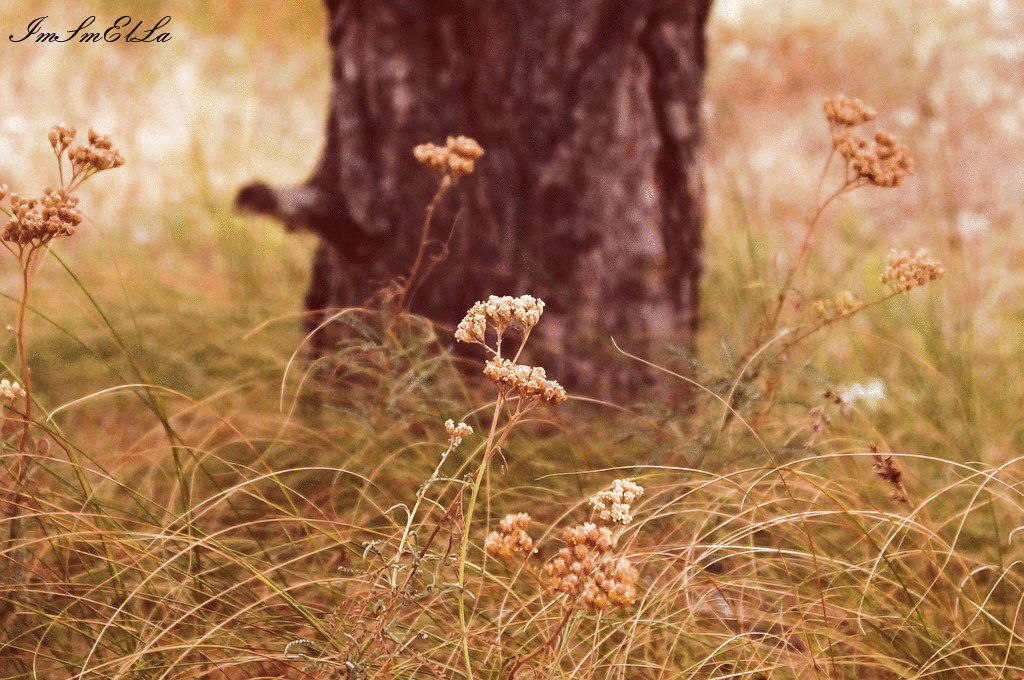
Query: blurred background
[208, 301]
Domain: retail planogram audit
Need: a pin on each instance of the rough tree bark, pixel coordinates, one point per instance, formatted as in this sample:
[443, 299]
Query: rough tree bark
[590, 194]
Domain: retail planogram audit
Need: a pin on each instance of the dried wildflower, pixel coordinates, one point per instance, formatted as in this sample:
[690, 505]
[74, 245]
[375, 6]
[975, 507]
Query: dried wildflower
[843, 304]
[459, 166]
[906, 271]
[473, 327]
[36, 222]
[843, 112]
[11, 391]
[467, 147]
[887, 469]
[500, 312]
[4, 190]
[887, 164]
[98, 155]
[616, 504]
[589, 569]
[613, 584]
[431, 155]
[883, 162]
[60, 137]
[820, 421]
[457, 158]
[512, 537]
[456, 433]
[530, 382]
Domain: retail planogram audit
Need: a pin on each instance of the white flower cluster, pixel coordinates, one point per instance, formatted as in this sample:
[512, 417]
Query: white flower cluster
[9, 391]
[530, 382]
[501, 312]
[616, 504]
[456, 433]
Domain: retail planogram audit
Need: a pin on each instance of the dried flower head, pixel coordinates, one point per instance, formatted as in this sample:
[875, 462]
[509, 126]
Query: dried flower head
[820, 421]
[60, 137]
[530, 382]
[98, 155]
[616, 504]
[883, 162]
[456, 433]
[906, 271]
[887, 469]
[844, 112]
[467, 147]
[431, 155]
[589, 569]
[11, 391]
[501, 312]
[512, 537]
[37, 222]
[456, 159]
[843, 304]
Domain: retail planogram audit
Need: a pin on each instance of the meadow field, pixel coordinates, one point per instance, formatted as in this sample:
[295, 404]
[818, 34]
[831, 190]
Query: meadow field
[834, 491]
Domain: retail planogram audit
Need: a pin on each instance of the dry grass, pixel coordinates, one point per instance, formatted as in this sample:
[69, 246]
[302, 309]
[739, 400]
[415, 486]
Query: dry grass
[200, 505]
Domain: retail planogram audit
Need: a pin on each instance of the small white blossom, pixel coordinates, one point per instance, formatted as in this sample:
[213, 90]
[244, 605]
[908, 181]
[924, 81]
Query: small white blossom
[456, 433]
[9, 391]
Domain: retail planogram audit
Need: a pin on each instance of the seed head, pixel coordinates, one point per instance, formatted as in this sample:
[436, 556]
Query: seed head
[820, 421]
[589, 569]
[530, 382]
[887, 469]
[843, 112]
[39, 221]
[431, 155]
[883, 162]
[512, 537]
[60, 137]
[456, 159]
[98, 155]
[843, 304]
[906, 271]
[467, 147]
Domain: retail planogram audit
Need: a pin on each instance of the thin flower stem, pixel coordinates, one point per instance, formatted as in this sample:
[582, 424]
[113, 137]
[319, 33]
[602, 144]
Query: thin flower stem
[415, 508]
[838, 317]
[494, 441]
[801, 256]
[26, 373]
[21, 470]
[466, 523]
[410, 282]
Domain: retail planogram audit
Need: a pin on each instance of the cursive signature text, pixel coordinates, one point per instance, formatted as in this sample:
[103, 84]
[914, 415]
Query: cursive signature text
[119, 30]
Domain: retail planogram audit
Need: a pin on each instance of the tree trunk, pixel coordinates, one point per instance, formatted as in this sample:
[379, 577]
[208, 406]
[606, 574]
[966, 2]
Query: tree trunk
[590, 194]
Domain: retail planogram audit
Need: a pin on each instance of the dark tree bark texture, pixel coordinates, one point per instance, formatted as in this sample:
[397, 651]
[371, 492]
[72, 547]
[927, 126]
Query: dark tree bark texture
[590, 194]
